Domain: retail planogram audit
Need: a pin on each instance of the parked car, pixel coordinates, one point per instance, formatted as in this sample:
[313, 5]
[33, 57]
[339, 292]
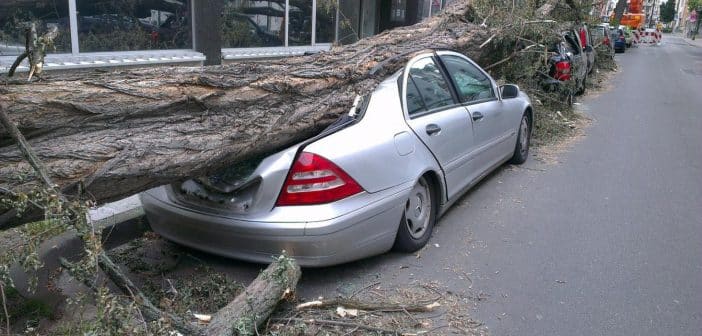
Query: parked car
[239, 30]
[559, 71]
[376, 179]
[586, 44]
[567, 66]
[620, 42]
[628, 35]
[578, 60]
[602, 38]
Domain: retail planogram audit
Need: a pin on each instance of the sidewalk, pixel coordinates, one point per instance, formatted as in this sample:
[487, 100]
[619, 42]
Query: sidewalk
[696, 43]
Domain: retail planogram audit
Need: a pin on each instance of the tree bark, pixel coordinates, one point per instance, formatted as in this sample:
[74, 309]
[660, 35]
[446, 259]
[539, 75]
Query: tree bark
[122, 132]
[250, 309]
[619, 12]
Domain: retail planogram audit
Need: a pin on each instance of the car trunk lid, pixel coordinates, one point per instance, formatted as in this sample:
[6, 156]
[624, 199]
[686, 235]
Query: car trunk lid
[253, 186]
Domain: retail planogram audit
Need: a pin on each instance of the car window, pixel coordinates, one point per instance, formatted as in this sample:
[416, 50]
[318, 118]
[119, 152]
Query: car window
[597, 33]
[426, 87]
[471, 83]
[572, 44]
[415, 103]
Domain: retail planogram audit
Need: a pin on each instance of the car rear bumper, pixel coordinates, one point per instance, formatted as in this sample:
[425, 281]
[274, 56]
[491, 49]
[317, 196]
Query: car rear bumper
[366, 231]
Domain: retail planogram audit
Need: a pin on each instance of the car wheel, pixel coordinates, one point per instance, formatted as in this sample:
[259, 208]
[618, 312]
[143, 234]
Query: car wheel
[521, 149]
[418, 218]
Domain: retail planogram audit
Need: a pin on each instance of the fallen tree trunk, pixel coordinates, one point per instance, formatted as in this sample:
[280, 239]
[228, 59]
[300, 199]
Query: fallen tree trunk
[121, 132]
[250, 309]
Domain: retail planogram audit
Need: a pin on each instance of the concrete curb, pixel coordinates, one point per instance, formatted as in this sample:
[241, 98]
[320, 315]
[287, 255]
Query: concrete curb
[119, 222]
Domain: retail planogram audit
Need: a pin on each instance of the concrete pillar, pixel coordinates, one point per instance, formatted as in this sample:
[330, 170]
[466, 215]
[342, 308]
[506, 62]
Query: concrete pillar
[207, 33]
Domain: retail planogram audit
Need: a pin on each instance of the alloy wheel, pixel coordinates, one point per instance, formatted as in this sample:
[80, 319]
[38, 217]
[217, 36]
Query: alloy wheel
[418, 209]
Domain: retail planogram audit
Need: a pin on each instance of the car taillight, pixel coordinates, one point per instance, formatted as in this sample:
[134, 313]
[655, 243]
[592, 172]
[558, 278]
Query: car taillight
[316, 180]
[563, 70]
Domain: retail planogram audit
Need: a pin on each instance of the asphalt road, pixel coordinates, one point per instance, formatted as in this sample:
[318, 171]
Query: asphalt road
[606, 241]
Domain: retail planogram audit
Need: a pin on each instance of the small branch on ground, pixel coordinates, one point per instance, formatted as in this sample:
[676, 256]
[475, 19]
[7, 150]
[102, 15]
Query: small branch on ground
[362, 305]
[4, 307]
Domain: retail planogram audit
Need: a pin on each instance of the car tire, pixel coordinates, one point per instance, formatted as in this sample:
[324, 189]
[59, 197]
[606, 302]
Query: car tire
[521, 149]
[418, 218]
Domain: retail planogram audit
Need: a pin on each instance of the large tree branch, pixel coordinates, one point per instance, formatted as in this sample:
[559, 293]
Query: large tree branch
[140, 128]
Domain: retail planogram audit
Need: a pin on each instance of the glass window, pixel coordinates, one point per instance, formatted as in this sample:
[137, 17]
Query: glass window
[123, 25]
[471, 83]
[247, 23]
[397, 11]
[16, 16]
[300, 27]
[430, 88]
[435, 7]
[415, 102]
[326, 21]
[572, 45]
[447, 2]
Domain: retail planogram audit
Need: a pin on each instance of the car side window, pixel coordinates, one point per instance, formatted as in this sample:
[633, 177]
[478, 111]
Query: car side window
[471, 83]
[572, 44]
[426, 87]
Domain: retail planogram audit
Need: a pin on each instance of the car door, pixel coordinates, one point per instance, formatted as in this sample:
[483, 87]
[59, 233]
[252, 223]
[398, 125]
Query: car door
[491, 124]
[436, 117]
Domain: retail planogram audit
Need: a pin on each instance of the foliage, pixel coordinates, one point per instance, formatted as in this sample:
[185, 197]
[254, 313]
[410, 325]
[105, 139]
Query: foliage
[21, 244]
[667, 11]
[14, 23]
[20, 309]
[694, 4]
[522, 45]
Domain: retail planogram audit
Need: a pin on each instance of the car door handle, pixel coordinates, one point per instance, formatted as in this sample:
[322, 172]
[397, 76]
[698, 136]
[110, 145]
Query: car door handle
[477, 116]
[433, 129]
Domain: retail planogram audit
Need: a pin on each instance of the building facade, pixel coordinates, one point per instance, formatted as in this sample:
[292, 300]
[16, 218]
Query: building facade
[101, 33]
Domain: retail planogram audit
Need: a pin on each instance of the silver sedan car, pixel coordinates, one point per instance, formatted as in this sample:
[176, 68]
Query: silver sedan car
[375, 180]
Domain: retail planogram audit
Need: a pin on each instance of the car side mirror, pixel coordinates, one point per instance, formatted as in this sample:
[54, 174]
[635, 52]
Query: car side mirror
[508, 91]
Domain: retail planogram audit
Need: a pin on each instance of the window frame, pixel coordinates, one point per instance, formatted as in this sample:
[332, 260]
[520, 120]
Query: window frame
[405, 78]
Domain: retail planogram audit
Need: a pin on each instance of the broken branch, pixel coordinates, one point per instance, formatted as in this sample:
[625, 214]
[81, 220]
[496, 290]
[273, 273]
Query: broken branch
[362, 305]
